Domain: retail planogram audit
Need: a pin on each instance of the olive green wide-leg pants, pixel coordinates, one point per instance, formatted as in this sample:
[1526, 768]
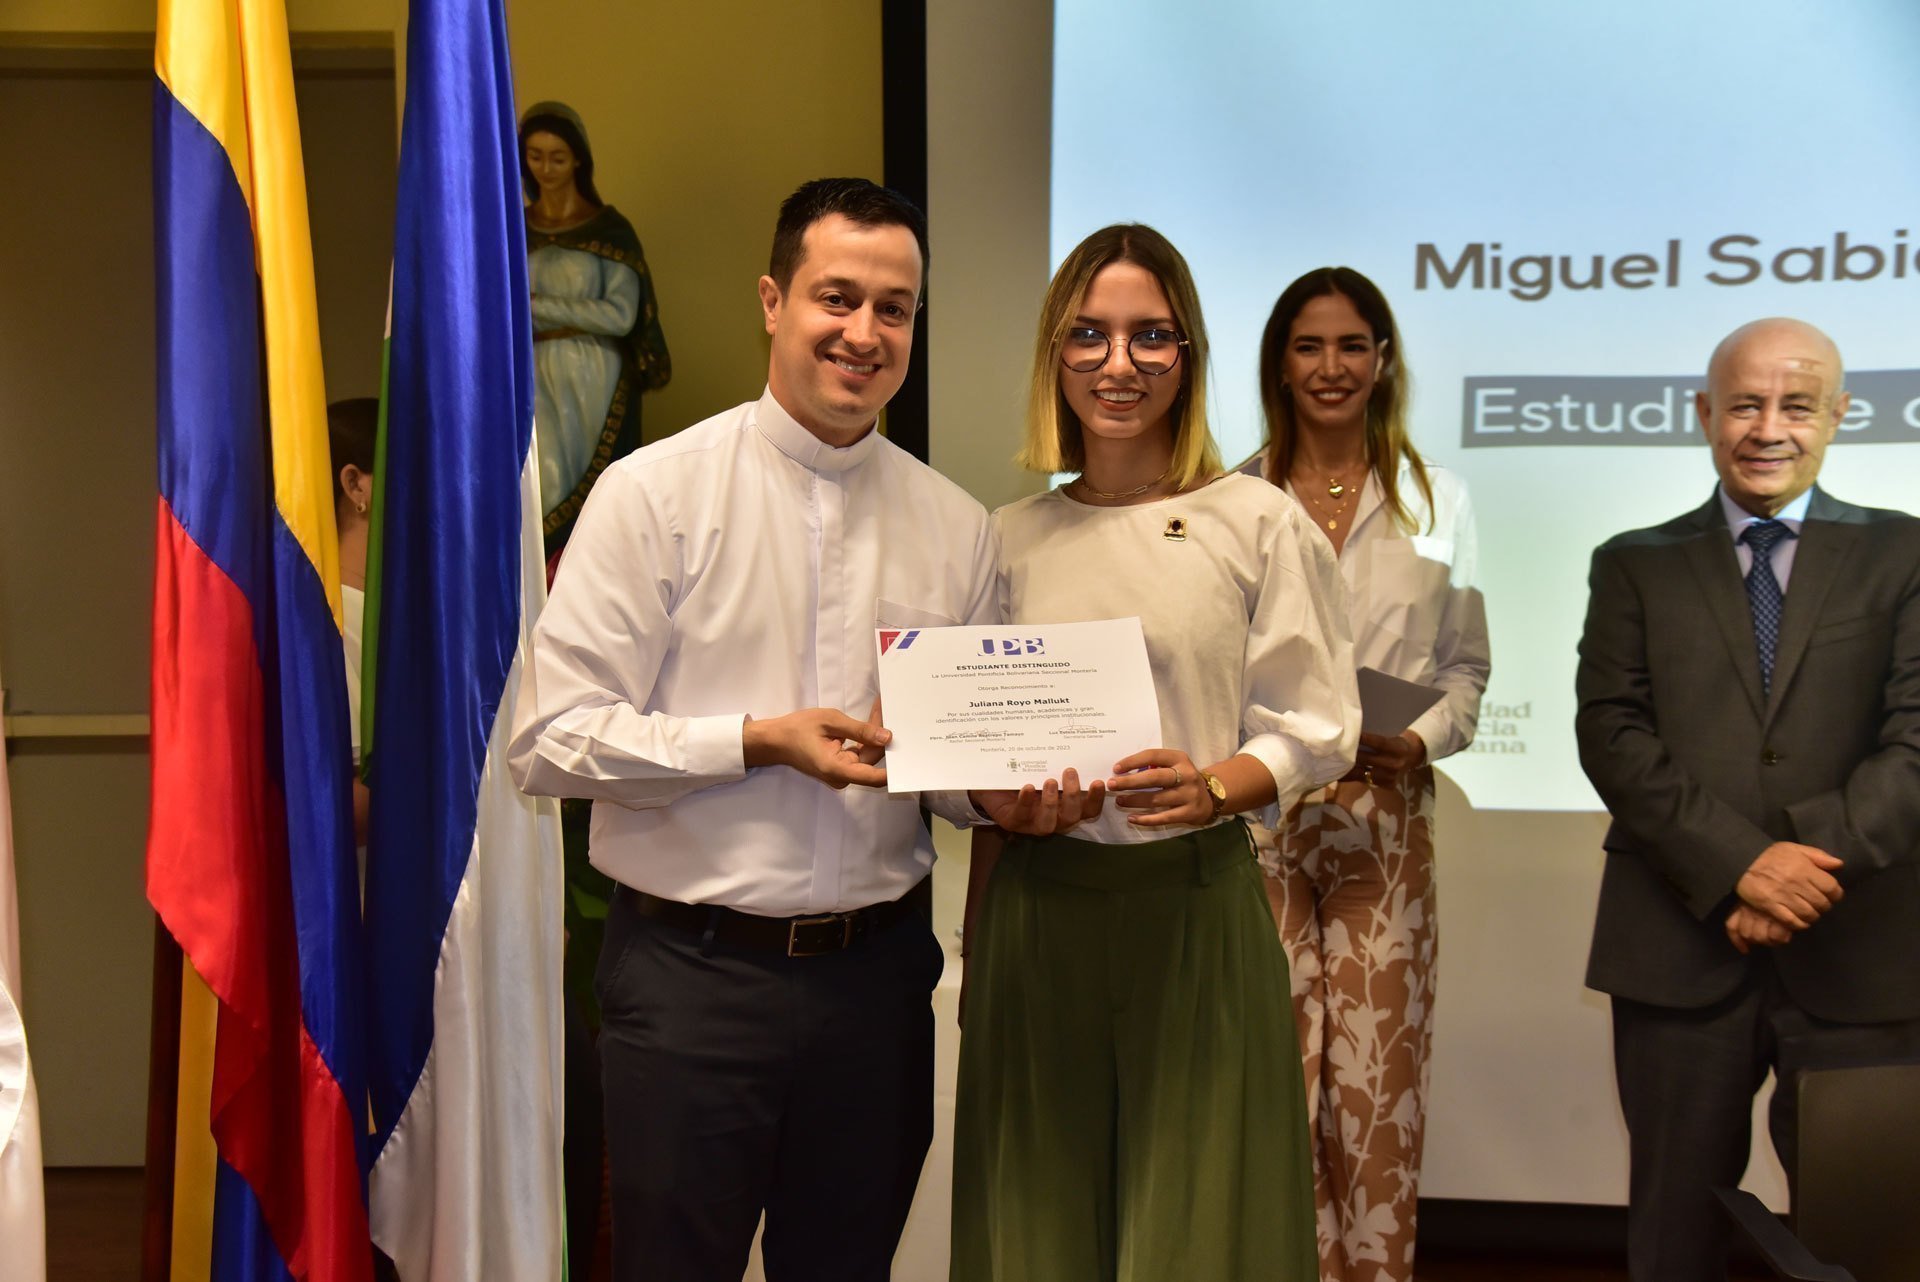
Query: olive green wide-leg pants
[1131, 1107]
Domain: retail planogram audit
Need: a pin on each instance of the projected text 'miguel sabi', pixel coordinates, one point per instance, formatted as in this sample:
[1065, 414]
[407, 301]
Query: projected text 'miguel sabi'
[1729, 261]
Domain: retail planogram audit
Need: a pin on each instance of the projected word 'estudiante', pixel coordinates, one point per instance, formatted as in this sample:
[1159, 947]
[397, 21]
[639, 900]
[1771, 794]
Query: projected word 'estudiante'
[1652, 409]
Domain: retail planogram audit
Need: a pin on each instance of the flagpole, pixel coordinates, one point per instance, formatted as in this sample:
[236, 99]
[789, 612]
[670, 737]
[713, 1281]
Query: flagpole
[163, 1088]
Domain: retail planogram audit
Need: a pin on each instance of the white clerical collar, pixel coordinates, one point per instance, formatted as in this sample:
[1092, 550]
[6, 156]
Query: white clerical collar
[1792, 515]
[802, 446]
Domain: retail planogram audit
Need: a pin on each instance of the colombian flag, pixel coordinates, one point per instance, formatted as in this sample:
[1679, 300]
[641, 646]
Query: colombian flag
[250, 850]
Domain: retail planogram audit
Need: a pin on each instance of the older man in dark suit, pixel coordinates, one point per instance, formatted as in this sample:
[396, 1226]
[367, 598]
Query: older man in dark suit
[1749, 689]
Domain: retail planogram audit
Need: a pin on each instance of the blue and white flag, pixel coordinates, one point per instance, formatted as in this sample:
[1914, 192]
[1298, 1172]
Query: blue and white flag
[463, 899]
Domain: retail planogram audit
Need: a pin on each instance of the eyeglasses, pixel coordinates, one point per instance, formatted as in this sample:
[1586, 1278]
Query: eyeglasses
[1152, 351]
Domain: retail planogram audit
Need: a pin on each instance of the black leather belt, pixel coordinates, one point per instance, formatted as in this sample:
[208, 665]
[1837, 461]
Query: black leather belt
[808, 936]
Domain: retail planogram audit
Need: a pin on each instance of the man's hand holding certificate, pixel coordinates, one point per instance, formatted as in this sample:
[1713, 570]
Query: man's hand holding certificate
[1002, 707]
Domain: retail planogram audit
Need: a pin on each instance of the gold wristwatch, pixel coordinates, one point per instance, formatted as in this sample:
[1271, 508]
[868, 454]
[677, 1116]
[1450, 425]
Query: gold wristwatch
[1216, 790]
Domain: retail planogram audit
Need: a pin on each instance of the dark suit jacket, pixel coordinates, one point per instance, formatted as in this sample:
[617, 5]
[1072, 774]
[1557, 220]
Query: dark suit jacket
[1701, 773]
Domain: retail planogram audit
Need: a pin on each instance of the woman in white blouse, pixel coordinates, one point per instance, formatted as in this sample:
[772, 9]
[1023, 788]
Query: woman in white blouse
[1351, 866]
[1116, 1114]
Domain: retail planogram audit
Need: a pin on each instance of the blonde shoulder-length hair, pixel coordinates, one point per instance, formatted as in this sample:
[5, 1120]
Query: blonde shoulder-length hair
[1388, 443]
[1053, 441]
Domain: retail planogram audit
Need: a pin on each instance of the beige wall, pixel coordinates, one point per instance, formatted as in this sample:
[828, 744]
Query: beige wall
[135, 17]
[76, 411]
[701, 119]
[989, 86]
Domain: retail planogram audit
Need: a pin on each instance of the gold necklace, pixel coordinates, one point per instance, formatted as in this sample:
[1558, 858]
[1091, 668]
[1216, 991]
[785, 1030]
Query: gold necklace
[1339, 493]
[1332, 518]
[1336, 486]
[1136, 492]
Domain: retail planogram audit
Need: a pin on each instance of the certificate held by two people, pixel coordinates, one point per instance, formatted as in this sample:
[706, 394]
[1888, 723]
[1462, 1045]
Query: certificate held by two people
[1000, 707]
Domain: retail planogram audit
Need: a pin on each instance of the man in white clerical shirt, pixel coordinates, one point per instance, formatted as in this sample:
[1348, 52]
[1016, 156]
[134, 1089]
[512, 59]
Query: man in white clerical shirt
[704, 672]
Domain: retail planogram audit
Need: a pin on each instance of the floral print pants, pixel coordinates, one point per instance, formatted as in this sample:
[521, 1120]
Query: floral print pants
[1350, 879]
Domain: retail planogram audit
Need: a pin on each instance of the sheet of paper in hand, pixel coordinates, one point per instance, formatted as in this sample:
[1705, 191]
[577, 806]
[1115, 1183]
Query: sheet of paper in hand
[1389, 705]
[998, 707]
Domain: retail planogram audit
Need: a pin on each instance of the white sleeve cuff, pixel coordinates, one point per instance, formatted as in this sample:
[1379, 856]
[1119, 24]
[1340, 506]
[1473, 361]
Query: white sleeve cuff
[1293, 768]
[715, 748]
[1435, 728]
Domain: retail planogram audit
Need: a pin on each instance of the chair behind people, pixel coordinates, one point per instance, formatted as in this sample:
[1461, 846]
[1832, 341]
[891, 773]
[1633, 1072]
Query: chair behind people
[1859, 1169]
[1859, 1166]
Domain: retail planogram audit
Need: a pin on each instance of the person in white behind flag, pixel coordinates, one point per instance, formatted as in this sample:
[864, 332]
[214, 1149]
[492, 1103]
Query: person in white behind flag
[23, 1217]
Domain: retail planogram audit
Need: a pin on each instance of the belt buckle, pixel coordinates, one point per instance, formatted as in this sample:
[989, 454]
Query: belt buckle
[830, 941]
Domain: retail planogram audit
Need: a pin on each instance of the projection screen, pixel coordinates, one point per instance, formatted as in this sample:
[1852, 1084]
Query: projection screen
[1567, 206]
[1748, 150]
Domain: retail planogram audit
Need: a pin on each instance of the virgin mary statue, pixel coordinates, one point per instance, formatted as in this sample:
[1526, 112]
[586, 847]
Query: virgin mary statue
[597, 341]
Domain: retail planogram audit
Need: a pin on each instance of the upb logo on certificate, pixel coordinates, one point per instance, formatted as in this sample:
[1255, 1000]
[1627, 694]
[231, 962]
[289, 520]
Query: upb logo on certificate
[998, 707]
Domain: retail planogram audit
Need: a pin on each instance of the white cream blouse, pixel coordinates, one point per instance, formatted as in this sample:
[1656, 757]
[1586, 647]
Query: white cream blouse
[1413, 605]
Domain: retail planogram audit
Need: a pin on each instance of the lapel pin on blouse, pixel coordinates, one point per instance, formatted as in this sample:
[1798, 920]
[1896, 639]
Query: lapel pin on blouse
[1176, 531]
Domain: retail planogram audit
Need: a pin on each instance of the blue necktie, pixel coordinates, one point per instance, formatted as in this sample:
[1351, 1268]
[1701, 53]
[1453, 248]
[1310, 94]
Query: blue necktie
[1763, 593]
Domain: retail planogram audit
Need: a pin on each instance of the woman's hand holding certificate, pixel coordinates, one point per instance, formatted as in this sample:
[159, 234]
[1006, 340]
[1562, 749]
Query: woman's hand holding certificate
[1162, 786]
[1011, 708]
[1050, 808]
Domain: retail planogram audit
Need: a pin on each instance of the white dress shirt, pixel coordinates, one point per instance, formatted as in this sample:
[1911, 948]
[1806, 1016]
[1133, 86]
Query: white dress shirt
[1412, 603]
[1793, 516]
[739, 569]
[1245, 626]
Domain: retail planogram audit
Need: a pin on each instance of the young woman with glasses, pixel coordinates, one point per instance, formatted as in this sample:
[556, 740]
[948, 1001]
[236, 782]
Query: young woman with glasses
[1124, 1110]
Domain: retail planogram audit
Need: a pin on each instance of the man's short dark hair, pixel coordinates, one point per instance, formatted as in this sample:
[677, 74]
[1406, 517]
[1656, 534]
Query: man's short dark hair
[863, 203]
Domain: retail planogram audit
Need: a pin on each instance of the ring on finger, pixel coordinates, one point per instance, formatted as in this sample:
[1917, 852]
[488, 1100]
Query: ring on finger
[1176, 776]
